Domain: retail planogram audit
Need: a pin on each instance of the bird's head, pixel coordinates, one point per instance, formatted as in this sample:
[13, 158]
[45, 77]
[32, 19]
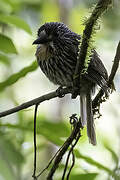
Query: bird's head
[51, 34]
[49, 31]
[47, 34]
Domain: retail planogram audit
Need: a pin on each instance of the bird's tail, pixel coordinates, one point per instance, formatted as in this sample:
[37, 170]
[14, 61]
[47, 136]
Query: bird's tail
[87, 116]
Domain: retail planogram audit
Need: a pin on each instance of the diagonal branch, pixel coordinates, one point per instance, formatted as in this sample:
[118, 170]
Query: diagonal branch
[66, 145]
[98, 99]
[115, 64]
[82, 65]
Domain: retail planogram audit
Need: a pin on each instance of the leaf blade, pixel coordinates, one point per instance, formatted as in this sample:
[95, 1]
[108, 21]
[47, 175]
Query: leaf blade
[4, 59]
[16, 21]
[93, 162]
[6, 45]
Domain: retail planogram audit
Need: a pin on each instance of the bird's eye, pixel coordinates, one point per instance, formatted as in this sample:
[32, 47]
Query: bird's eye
[42, 33]
[50, 37]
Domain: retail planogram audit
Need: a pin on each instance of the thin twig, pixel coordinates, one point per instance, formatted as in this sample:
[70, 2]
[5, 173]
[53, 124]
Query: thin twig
[35, 146]
[73, 121]
[68, 157]
[50, 161]
[64, 149]
[115, 64]
[73, 163]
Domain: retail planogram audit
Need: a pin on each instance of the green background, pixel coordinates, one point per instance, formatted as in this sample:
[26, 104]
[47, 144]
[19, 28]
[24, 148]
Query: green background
[21, 80]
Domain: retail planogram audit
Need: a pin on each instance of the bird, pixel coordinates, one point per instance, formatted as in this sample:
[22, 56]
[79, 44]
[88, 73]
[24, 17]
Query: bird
[57, 52]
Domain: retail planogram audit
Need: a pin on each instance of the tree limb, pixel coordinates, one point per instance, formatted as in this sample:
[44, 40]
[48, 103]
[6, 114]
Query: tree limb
[80, 69]
[35, 101]
[115, 65]
[98, 99]
[67, 143]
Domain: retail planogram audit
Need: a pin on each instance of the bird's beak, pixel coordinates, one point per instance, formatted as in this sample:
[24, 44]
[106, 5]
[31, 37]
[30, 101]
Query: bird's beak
[41, 40]
[38, 41]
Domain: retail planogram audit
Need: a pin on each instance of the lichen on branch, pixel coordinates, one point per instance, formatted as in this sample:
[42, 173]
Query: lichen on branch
[83, 59]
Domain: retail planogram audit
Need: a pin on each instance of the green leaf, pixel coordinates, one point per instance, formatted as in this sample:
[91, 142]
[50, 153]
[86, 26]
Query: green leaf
[93, 162]
[16, 21]
[4, 59]
[6, 45]
[15, 77]
[88, 176]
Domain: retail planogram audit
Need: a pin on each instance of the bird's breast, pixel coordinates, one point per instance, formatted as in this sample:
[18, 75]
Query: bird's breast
[42, 52]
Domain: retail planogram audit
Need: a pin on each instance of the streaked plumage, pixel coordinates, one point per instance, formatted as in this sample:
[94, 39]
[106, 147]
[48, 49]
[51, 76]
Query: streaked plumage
[57, 53]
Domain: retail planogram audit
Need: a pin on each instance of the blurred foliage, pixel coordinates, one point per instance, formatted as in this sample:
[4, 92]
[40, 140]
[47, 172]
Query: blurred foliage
[19, 19]
[59, 129]
[15, 77]
[16, 21]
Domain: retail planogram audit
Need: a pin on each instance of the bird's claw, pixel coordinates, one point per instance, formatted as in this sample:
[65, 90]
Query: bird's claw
[73, 119]
[75, 92]
[59, 92]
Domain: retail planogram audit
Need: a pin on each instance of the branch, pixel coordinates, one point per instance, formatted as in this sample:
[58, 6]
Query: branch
[73, 163]
[68, 156]
[98, 99]
[115, 65]
[68, 142]
[81, 68]
[38, 100]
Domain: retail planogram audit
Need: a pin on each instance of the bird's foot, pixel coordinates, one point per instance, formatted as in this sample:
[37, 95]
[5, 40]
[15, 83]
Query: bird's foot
[75, 92]
[59, 92]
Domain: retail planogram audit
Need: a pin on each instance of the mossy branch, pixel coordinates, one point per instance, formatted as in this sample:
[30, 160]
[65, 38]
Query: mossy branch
[83, 61]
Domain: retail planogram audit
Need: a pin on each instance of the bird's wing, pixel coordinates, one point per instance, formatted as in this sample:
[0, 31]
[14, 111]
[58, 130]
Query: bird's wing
[97, 65]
